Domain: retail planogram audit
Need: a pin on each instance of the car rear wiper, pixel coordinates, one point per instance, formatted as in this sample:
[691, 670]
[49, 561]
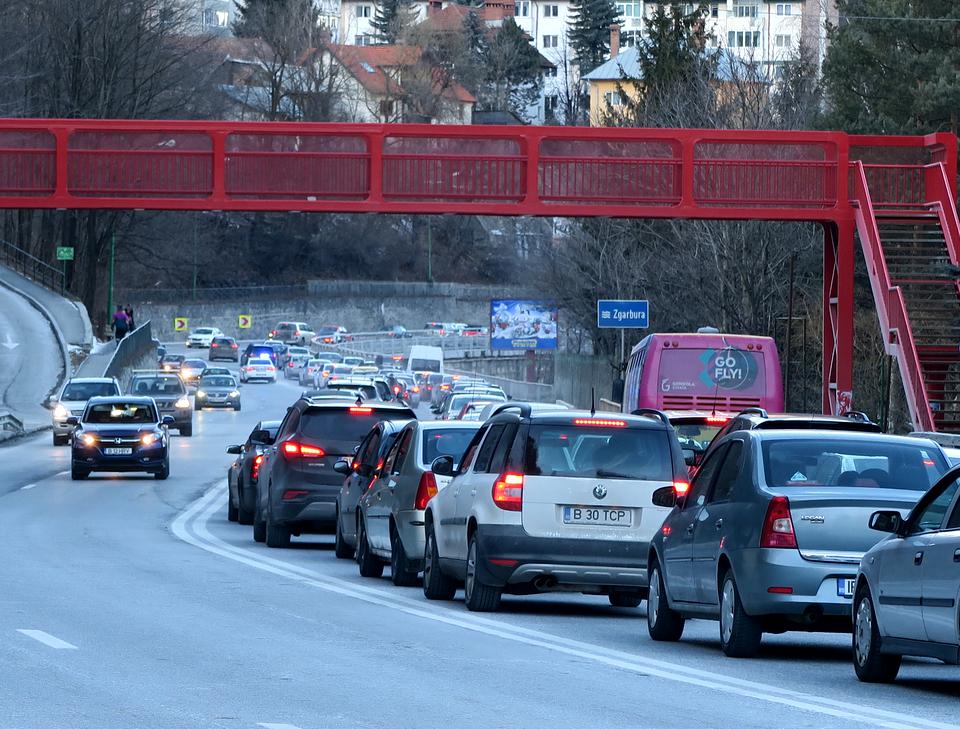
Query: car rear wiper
[612, 474]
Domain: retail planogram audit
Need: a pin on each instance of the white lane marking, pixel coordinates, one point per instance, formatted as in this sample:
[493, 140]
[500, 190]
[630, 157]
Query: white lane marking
[48, 640]
[198, 514]
[28, 487]
[63, 473]
[268, 725]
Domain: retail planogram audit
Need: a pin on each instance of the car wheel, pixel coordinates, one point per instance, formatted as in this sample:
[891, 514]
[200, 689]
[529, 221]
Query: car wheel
[233, 513]
[740, 634]
[186, 430]
[480, 598]
[341, 549]
[278, 535]
[197, 406]
[59, 440]
[369, 563]
[259, 526]
[663, 623]
[402, 573]
[236, 408]
[871, 665]
[244, 516]
[164, 473]
[78, 474]
[436, 585]
[625, 599]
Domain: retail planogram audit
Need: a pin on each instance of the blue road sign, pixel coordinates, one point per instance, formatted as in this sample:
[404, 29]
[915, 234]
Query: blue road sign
[623, 314]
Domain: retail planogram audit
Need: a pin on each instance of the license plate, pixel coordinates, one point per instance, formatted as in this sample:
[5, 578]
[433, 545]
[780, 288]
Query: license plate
[845, 586]
[601, 516]
[118, 451]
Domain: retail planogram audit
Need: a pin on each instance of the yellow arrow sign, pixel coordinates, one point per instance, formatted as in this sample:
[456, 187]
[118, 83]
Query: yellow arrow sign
[180, 323]
[245, 321]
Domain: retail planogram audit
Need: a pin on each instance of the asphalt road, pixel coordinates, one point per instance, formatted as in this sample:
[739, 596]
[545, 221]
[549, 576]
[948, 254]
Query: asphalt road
[153, 611]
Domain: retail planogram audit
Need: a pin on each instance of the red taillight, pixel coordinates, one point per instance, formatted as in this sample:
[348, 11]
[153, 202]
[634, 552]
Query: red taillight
[291, 494]
[214, 345]
[680, 488]
[356, 410]
[292, 448]
[426, 490]
[508, 492]
[396, 390]
[600, 422]
[780, 590]
[233, 346]
[255, 468]
[416, 389]
[290, 363]
[717, 419]
[778, 530]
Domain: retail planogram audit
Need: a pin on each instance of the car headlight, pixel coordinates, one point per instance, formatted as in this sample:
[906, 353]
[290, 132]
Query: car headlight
[235, 393]
[149, 438]
[183, 402]
[88, 439]
[201, 393]
[60, 412]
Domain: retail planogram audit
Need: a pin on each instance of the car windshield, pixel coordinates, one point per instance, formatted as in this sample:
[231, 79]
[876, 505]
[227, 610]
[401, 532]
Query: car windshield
[157, 386]
[338, 430]
[86, 390]
[446, 442]
[325, 331]
[431, 365]
[120, 413]
[203, 331]
[173, 358]
[223, 340]
[298, 350]
[873, 463]
[218, 382]
[598, 452]
[342, 369]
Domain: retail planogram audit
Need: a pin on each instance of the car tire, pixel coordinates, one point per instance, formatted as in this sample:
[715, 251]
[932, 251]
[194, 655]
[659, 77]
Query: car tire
[78, 474]
[60, 440]
[368, 563]
[740, 634]
[402, 573]
[244, 516]
[480, 598]
[186, 431]
[625, 599]
[259, 527]
[236, 408]
[164, 473]
[197, 407]
[341, 550]
[663, 622]
[436, 585]
[278, 535]
[233, 513]
[871, 665]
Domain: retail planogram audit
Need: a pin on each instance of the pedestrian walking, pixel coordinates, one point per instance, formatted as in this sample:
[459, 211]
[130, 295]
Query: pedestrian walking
[131, 325]
[120, 323]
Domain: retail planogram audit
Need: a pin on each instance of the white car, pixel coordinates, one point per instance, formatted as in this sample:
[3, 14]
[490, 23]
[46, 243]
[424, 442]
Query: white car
[203, 337]
[551, 500]
[73, 400]
[258, 369]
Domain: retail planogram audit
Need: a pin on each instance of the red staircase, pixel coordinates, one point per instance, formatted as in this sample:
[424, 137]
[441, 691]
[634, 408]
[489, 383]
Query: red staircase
[908, 227]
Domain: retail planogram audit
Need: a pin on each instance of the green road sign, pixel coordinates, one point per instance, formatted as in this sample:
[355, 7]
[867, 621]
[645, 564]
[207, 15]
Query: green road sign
[64, 253]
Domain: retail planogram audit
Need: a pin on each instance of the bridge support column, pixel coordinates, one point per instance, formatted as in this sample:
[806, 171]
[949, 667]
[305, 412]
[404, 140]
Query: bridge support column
[838, 262]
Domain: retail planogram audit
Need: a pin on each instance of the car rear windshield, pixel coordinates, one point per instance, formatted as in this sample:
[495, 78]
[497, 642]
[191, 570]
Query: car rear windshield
[446, 442]
[203, 331]
[327, 330]
[425, 365]
[196, 364]
[260, 353]
[222, 340]
[368, 392]
[86, 390]
[342, 369]
[157, 386]
[864, 463]
[338, 430]
[121, 413]
[598, 452]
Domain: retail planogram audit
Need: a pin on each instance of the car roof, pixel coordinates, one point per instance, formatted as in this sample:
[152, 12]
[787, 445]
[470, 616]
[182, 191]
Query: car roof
[339, 404]
[107, 399]
[851, 435]
[560, 416]
[447, 424]
[96, 380]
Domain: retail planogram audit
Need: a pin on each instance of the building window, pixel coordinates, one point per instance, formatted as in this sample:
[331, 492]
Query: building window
[522, 9]
[782, 41]
[715, 10]
[550, 72]
[363, 40]
[613, 98]
[630, 9]
[551, 11]
[550, 106]
[784, 9]
[551, 41]
[740, 39]
[745, 10]
[628, 39]
[364, 11]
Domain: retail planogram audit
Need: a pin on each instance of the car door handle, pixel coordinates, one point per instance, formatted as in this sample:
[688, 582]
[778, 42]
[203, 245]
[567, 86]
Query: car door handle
[918, 558]
[718, 523]
[956, 555]
[690, 529]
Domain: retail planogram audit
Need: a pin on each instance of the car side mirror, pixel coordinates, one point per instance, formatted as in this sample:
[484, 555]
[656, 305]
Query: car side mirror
[168, 420]
[442, 466]
[72, 420]
[886, 521]
[234, 450]
[342, 467]
[665, 497]
[261, 437]
[689, 456]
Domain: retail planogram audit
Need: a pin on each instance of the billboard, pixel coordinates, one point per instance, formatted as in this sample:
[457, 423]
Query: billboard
[523, 324]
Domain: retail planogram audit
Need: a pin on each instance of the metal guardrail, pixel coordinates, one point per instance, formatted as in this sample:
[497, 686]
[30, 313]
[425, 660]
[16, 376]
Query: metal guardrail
[30, 266]
[130, 350]
[10, 423]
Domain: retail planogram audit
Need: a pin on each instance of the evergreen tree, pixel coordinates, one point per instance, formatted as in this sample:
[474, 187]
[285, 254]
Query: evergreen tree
[514, 77]
[893, 67]
[589, 32]
[392, 19]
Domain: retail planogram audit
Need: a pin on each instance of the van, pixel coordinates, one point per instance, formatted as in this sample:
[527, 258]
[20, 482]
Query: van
[425, 359]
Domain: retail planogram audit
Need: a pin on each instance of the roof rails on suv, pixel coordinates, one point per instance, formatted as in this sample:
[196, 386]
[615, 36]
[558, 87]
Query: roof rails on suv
[523, 407]
[755, 411]
[652, 413]
[858, 416]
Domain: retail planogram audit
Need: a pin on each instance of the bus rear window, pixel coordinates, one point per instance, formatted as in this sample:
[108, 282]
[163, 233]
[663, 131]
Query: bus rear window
[597, 452]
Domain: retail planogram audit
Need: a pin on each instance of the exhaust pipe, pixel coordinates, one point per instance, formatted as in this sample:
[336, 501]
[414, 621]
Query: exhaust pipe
[545, 582]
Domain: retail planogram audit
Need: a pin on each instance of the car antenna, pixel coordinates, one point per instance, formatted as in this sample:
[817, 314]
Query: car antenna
[593, 402]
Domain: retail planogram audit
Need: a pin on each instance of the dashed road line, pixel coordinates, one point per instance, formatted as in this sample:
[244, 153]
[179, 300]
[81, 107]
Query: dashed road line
[28, 487]
[48, 640]
[268, 725]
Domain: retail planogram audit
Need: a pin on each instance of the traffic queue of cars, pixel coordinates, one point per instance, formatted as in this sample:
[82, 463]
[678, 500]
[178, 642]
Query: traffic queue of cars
[778, 529]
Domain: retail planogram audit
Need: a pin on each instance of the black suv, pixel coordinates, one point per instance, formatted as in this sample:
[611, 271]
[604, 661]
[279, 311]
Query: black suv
[170, 394]
[298, 484]
[760, 419]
